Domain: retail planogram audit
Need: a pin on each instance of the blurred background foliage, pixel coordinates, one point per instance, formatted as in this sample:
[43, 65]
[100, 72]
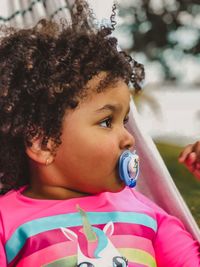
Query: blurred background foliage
[165, 33]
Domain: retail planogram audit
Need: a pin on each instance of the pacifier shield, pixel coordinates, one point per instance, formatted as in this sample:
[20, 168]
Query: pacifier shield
[129, 168]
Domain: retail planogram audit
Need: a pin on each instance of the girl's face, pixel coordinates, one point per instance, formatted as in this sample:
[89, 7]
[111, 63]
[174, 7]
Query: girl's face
[93, 137]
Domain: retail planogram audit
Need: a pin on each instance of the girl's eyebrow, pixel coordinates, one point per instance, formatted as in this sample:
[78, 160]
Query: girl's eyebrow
[112, 107]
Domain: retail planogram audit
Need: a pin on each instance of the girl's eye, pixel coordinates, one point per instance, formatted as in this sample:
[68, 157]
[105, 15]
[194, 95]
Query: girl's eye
[126, 120]
[107, 123]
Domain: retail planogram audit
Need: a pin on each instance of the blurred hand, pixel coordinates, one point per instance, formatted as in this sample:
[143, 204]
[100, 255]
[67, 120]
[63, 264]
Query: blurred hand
[190, 157]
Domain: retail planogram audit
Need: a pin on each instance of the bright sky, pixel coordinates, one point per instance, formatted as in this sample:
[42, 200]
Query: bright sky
[102, 8]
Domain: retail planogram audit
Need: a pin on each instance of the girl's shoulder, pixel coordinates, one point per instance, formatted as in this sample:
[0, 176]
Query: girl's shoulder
[137, 199]
[10, 195]
[11, 201]
[147, 202]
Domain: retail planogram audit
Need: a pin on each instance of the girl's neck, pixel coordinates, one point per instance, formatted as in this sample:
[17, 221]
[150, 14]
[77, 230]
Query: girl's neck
[51, 192]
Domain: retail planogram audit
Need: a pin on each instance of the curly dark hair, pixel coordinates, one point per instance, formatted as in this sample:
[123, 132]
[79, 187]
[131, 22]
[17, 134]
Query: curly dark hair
[44, 71]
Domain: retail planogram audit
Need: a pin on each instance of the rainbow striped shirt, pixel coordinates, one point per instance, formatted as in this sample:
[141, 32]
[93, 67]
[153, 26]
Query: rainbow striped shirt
[105, 230]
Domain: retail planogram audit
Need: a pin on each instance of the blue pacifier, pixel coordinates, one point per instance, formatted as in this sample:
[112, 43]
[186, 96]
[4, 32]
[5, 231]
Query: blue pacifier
[129, 167]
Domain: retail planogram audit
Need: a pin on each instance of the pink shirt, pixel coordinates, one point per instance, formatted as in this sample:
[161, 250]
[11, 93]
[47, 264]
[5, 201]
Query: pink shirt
[105, 230]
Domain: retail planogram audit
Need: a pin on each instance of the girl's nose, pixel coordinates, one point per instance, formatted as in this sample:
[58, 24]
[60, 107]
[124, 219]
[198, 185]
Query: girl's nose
[127, 140]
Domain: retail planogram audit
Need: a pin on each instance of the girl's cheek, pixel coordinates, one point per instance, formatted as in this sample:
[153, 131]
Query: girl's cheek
[110, 152]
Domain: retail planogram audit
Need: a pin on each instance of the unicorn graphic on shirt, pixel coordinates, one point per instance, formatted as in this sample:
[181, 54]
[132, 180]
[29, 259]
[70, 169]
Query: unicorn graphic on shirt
[96, 248]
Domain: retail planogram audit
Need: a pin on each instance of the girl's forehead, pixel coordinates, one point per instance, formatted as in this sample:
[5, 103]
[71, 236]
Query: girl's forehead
[113, 99]
[113, 94]
[100, 83]
[93, 86]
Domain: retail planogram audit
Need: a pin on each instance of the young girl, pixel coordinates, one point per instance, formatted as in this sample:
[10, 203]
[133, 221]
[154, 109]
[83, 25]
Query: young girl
[64, 104]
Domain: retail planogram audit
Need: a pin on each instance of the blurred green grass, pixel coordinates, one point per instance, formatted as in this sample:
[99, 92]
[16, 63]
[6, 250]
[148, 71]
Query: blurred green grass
[188, 186]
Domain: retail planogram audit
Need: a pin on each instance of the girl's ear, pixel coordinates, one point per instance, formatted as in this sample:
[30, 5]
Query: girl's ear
[38, 154]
